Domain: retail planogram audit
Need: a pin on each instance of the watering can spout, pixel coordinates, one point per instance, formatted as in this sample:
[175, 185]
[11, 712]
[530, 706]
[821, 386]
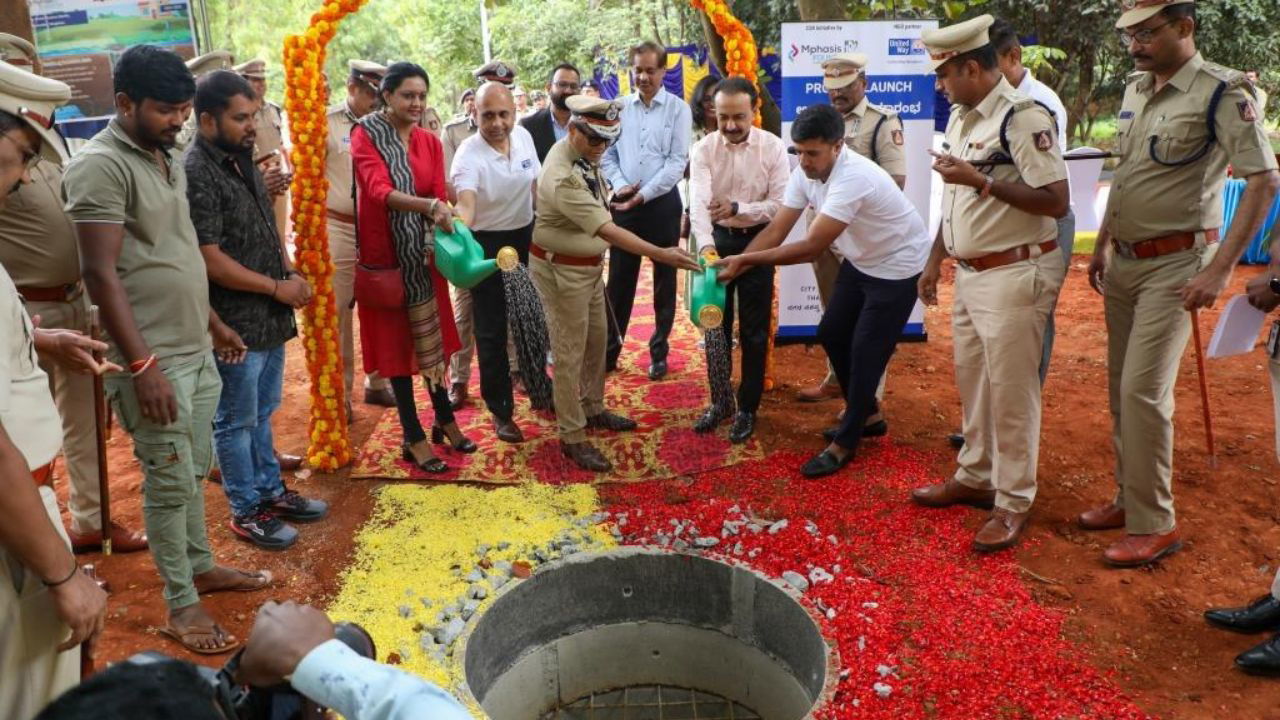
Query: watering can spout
[508, 259]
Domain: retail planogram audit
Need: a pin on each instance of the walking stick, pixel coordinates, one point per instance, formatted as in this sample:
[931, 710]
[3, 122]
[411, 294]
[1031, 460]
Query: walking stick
[100, 425]
[1204, 387]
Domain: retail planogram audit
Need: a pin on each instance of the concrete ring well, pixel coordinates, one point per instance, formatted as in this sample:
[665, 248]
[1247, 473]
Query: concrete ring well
[638, 616]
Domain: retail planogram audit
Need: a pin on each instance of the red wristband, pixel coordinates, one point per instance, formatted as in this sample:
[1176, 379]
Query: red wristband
[138, 365]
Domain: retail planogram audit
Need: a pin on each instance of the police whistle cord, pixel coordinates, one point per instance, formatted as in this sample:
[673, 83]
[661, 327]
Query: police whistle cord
[527, 322]
[1204, 387]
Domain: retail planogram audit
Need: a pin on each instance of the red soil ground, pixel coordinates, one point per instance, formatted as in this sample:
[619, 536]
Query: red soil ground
[1144, 625]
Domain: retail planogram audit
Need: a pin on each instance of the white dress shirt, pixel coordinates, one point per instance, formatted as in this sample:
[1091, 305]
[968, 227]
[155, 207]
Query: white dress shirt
[503, 184]
[653, 149]
[358, 688]
[1038, 91]
[752, 173]
[884, 236]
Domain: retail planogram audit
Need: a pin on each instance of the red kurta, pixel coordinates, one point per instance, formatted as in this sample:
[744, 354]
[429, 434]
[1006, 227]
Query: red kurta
[384, 334]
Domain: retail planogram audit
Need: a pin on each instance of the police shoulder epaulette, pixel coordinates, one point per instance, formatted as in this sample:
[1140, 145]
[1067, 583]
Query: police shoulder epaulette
[1233, 78]
[887, 112]
[1020, 102]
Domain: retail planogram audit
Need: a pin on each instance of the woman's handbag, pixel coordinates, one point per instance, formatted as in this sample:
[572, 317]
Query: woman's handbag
[379, 286]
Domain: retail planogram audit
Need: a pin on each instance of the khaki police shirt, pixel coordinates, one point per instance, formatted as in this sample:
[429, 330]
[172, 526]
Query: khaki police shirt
[454, 133]
[430, 121]
[269, 125]
[572, 204]
[27, 411]
[337, 164]
[973, 226]
[113, 180]
[37, 240]
[1149, 199]
[860, 134]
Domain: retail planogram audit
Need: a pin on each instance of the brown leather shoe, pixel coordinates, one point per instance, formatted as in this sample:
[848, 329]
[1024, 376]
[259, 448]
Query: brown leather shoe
[951, 493]
[288, 463]
[507, 431]
[586, 456]
[1107, 517]
[818, 393]
[458, 395]
[122, 540]
[379, 396]
[1002, 530]
[1139, 550]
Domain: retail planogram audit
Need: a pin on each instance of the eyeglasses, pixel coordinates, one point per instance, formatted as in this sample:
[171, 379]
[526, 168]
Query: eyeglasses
[1143, 36]
[568, 87]
[597, 141]
[30, 158]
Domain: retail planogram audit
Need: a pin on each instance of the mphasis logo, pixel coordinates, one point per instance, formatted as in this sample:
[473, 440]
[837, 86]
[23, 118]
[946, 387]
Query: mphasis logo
[905, 46]
[820, 52]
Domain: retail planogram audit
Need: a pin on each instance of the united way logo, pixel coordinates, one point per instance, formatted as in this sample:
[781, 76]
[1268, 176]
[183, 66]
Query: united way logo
[905, 46]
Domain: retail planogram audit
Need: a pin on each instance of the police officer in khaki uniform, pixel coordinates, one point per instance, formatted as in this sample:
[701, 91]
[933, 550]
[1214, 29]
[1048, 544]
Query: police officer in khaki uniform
[38, 249]
[361, 99]
[875, 133]
[461, 128]
[1182, 121]
[199, 67]
[269, 128]
[1005, 183]
[572, 231]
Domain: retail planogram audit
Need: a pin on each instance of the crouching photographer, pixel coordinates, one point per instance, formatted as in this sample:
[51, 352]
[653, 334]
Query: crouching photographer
[295, 664]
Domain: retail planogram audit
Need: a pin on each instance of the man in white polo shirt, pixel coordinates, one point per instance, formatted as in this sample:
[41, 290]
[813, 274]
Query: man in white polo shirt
[494, 172]
[884, 246]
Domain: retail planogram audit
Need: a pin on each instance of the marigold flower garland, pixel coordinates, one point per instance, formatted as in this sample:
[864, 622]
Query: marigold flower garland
[740, 54]
[304, 57]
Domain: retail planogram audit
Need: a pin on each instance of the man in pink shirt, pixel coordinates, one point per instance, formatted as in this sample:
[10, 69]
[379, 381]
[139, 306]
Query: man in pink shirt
[737, 177]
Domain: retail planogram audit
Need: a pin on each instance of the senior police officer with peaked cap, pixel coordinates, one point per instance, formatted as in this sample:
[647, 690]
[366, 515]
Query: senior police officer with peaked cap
[17, 51]
[571, 233]
[1183, 120]
[1006, 181]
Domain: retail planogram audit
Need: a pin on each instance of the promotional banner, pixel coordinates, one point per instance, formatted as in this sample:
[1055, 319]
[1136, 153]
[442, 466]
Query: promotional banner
[898, 77]
[78, 42]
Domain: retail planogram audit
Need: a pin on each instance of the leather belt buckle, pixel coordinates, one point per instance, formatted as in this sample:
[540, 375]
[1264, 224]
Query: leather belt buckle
[1123, 250]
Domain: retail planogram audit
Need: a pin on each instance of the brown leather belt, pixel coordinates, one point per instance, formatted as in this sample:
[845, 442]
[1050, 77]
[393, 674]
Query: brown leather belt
[61, 293]
[555, 257]
[43, 476]
[1006, 257]
[1163, 245]
[341, 217]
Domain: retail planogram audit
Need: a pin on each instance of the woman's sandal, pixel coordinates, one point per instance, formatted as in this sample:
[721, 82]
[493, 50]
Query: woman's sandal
[432, 465]
[185, 638]
[439, 436]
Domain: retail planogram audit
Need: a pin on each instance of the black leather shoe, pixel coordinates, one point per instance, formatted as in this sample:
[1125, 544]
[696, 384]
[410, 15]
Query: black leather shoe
[608, 421]
[711, 418]
[956, 440]
[657, 370]
[744, 424]
[507, 431]
[875, 429]
[1261, 660]
[457, 395]
[823, 464]
[1258, 616]
[586, 456]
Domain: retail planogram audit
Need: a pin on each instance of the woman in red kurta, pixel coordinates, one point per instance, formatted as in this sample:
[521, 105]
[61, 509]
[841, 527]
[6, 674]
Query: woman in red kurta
[399, 174]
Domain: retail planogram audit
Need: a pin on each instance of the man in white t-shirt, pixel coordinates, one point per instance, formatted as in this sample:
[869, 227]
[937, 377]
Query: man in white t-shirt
[1009, 53]
[494, 173]
[883, 244]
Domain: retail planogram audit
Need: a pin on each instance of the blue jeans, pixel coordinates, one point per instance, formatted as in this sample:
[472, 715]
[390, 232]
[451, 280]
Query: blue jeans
[242, 429]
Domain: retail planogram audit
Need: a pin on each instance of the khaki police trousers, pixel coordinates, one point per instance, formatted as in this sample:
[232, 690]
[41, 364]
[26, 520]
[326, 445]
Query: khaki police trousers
[342, 250]
[574, 300]
[998, 323]
[73, 394]
[1147, 332]
[825, 269]
[1275, 401]
[32, 671]
[175, 459]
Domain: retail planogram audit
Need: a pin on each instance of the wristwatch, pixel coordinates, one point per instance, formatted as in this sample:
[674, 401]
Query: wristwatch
[1274, 284]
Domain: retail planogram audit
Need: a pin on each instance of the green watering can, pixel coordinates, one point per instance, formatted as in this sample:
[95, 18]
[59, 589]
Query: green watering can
[706, 297]
[461, 261]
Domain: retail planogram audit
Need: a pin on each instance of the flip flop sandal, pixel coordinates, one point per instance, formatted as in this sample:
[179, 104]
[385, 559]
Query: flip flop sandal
[183, 639]
[264, 576]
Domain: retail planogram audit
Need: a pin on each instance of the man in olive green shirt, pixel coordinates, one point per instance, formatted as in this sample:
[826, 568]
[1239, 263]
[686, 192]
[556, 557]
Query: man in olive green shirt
[142, 266]
[572, 231]
[1182, 121]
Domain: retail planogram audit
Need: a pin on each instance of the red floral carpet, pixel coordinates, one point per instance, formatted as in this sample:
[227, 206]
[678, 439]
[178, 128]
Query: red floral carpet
[925, 628]
[665, 446]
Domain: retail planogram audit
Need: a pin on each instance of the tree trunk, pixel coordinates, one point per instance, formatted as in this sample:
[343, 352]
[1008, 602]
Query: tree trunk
[770, 113]
[811, 10]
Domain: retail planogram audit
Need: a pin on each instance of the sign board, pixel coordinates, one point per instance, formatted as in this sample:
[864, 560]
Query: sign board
[78, 42]
[898, 77]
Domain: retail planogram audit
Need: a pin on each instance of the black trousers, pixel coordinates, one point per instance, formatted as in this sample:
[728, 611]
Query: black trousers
[752, 294]
[489, 303]
[407, 407]
[860, 330]
[658, 222]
